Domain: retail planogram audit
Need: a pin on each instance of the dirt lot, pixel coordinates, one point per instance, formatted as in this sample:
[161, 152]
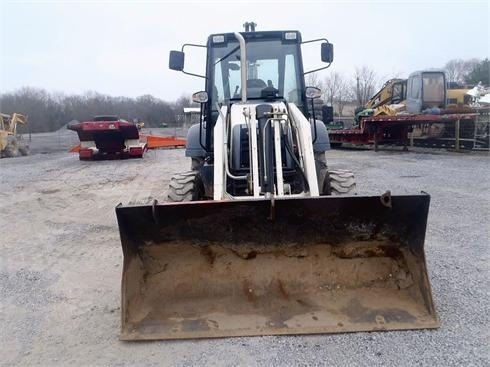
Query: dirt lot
[61, 265]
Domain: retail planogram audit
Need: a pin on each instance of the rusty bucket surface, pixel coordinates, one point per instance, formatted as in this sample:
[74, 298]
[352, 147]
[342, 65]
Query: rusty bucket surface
[288, 266]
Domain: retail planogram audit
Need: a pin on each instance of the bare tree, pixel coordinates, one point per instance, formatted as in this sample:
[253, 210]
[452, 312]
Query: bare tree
[332, 82]
[336, 91]
[48, 112]
[457, 70]
[364, 84]
[344, 94]
[313, 80]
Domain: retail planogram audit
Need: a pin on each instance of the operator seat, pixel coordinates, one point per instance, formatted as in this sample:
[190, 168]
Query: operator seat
[254, 87]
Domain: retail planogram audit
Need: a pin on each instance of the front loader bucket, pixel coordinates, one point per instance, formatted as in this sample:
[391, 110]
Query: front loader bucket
[288, 266]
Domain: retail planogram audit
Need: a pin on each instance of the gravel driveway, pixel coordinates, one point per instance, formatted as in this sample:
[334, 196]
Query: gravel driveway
[61, 265]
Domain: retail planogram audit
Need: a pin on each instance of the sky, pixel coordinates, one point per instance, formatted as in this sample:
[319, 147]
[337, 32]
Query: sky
[121, 48]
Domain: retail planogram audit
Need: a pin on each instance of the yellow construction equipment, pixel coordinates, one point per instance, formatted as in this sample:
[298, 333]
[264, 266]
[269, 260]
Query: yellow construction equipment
[458, 96]
[11, 144]
[423, 92]
[393, 91]
[255, 240]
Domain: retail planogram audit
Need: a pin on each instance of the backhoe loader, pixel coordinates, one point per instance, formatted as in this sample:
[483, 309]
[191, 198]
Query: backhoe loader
[253, 239]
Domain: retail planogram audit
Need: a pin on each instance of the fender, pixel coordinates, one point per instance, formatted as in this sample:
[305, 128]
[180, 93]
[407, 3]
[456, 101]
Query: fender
[322, 142]
[192, 147]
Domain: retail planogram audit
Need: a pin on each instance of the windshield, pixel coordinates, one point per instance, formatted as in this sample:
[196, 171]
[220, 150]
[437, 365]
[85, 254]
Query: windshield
[433, 87]
[270, 63]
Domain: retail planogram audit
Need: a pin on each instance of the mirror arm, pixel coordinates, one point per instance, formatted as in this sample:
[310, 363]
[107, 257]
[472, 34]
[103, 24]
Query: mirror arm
[316, 40]
[312, 71]
[192, 45]
[200, 76]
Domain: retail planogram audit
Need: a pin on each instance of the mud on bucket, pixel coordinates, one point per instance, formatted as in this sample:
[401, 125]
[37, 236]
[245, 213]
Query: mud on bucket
[299, 266]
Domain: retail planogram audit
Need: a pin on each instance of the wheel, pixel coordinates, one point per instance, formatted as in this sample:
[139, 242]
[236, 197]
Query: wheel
[321, 172]
[185, 186]
[24, 150]
[333, 182]
[341, 182]
[11, 150]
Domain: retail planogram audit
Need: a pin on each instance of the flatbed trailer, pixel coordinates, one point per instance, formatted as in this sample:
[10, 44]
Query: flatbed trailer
[381, 130]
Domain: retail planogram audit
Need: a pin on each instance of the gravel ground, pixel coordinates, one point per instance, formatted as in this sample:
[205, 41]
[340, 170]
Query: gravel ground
[61, 265]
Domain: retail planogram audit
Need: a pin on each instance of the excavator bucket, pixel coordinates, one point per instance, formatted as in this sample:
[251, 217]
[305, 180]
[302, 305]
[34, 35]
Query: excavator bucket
[284, 266]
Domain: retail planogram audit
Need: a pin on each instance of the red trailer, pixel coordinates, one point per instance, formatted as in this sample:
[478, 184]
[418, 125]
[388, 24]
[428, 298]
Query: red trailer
[392, 129]
[108, 137]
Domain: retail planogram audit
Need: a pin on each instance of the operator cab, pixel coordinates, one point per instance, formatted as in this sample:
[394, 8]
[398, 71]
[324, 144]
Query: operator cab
[274, 70]
[273, 67]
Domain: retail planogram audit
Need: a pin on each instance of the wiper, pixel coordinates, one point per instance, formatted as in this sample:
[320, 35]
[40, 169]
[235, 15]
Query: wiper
[227, 55]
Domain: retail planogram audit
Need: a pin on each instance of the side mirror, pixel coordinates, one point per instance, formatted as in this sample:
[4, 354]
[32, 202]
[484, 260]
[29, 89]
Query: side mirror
[200, 97]
[176, 60]
[327, 52]
[313, 92]
[327, 114]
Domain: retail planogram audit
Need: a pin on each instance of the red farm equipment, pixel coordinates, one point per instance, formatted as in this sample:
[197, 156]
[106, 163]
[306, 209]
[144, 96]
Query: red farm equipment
[108, 137]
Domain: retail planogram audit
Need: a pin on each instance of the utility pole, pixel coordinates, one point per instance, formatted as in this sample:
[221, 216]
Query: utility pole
[358, 92]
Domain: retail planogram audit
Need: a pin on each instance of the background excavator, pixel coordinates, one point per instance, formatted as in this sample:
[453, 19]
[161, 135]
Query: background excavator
[424, 91]
[392, 92]
[256, 243]
[11, 143]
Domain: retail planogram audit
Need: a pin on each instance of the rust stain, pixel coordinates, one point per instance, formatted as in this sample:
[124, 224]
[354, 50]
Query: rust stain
[209, 254]
[282, 290]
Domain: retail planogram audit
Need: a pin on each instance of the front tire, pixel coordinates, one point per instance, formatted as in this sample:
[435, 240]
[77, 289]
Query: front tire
[321, 173]
[185, 186]
[341, 182]
[333, 182]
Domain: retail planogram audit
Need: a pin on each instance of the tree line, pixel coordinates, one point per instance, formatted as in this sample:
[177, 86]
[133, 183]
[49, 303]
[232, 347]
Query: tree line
[51, 111]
